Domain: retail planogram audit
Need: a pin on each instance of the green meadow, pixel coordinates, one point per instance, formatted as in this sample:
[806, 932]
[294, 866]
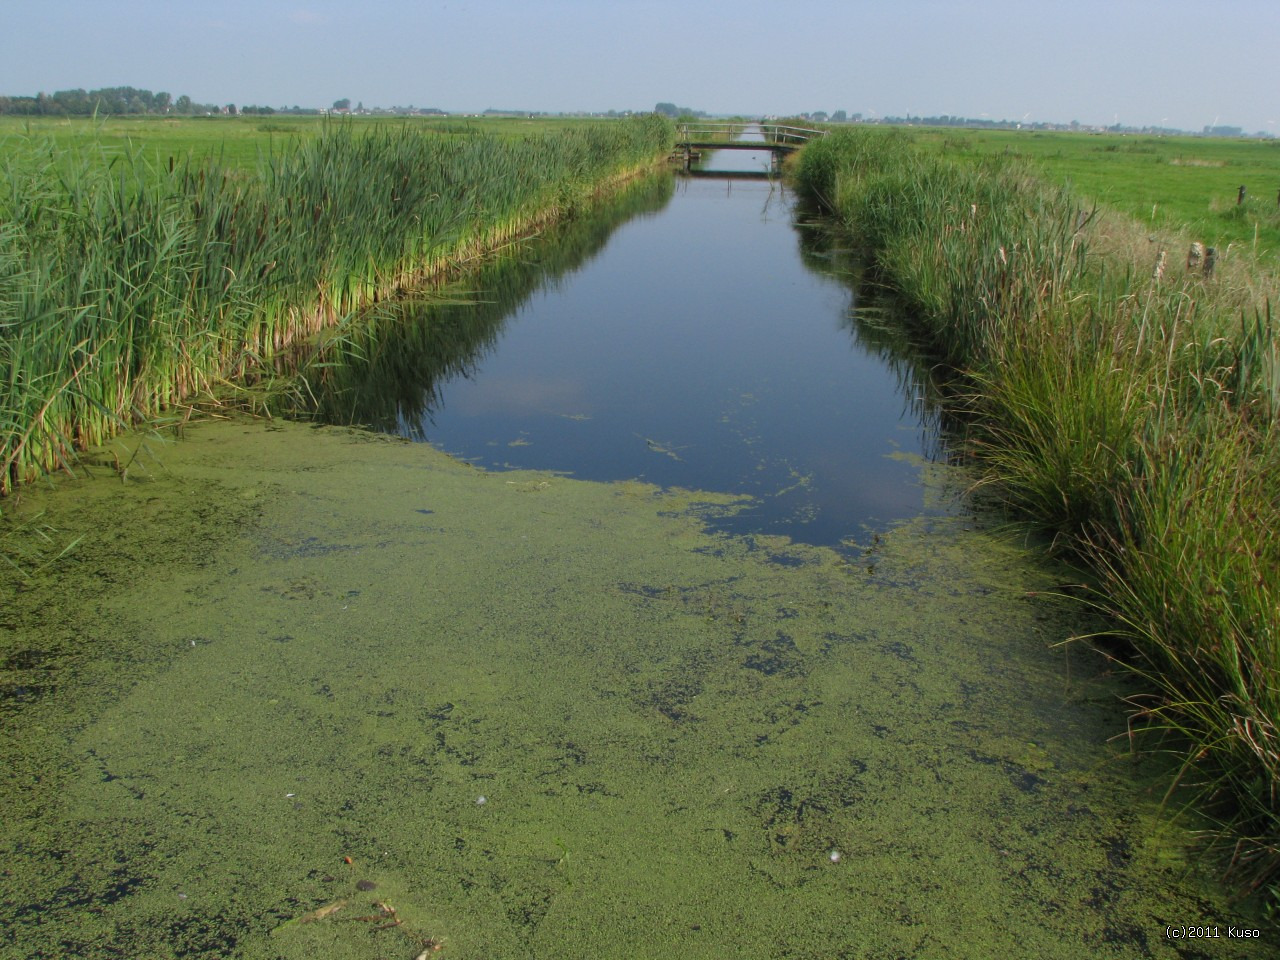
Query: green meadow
[1164, 183]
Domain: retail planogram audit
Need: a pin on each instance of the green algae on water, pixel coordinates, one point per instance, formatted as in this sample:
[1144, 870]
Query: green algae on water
[529, 716]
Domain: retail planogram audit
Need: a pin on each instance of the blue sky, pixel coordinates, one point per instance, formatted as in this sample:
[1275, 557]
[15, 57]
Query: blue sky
[1180, 63]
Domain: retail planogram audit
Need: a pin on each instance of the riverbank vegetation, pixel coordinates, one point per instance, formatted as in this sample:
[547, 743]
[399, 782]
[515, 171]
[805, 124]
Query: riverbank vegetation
[1163, 182]
[244, 141]
[1166, 183]
[1124, 398]
[128, 286]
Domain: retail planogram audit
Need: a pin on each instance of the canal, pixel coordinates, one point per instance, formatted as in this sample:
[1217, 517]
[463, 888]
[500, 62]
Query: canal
[715, 343]
[625, 606]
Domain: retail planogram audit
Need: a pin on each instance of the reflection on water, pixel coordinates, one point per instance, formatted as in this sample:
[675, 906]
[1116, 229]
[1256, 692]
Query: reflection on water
[389, 372]
[691, 333]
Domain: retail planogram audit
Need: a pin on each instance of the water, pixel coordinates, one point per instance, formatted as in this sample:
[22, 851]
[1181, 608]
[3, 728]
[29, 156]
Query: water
[711, 344]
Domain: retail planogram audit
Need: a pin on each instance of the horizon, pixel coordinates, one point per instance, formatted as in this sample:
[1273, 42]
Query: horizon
[254, 108]
[1133, 63]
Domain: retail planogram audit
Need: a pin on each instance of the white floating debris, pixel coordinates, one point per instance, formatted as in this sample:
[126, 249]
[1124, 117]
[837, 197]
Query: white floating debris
[835, 856]
[481, 800]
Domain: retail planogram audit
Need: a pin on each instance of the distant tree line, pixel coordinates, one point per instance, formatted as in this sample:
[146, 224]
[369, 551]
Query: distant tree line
[112, 100]
[123, 100]
[674, 112]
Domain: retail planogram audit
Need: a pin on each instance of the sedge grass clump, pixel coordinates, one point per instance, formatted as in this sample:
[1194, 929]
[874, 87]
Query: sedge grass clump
[1054, 424]
[1191, 572]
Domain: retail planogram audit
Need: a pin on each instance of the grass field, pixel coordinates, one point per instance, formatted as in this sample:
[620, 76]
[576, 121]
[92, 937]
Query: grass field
[242, 141]
[1165, 183]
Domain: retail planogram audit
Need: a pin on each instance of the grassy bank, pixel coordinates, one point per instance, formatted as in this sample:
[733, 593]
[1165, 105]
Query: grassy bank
[128, 287]
[1132, 413]
[1162, 182]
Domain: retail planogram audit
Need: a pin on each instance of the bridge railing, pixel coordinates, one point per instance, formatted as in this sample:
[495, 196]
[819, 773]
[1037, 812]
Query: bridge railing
[714, 130]
[784, 133]
[709, 130]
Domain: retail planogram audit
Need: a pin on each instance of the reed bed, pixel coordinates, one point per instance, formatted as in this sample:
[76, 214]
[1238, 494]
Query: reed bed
[1133, 414]
[127, 289]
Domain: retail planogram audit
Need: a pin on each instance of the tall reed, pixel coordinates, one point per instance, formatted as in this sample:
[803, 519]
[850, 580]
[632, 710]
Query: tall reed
[1134, 414]
[127, 289]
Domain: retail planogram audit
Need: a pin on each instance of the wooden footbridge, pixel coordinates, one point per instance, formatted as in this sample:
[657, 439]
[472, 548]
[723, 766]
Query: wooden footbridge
[692, 139]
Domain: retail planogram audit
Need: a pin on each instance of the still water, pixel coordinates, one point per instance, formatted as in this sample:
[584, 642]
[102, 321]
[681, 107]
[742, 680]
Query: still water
[713, 343]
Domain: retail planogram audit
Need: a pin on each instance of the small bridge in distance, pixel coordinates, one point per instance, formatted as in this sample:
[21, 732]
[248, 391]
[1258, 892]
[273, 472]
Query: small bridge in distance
[779, 139]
